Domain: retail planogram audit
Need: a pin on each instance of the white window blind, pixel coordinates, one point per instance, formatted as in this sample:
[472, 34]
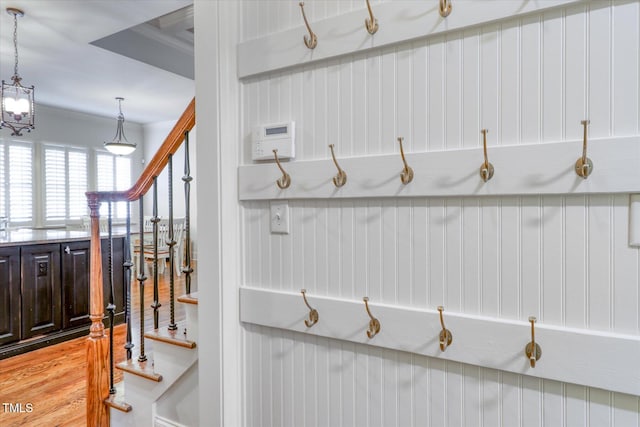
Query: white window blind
[104, 171]
[65, 184]
[78, 183]
[113, 173]
[55, 185]
[123, 182]
[20, 186]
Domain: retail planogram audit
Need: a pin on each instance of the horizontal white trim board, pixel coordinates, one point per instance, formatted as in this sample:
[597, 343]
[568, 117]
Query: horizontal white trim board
[597, 359]
[398, 21]
[519, 170]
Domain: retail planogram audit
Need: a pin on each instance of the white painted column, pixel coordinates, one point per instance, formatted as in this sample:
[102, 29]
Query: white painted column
[217, 97]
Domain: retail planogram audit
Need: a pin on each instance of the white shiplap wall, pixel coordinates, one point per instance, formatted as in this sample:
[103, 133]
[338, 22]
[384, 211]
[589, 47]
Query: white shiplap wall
[564, 259]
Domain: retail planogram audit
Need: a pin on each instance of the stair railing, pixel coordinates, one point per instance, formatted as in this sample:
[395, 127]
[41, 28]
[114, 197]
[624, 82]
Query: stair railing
[100, 363]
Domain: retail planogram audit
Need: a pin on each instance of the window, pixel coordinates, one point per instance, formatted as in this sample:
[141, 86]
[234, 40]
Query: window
[65, 173]
[44, 185]
[16, 182]
[113, 174]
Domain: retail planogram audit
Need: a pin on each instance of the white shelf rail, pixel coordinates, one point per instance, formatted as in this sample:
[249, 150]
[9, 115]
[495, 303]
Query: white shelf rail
[519, 170]
[398, 21]
[597, 359]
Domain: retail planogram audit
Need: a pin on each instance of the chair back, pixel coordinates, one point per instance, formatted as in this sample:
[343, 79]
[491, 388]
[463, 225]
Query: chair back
[86, 224]
[163, 231]
[147, 224]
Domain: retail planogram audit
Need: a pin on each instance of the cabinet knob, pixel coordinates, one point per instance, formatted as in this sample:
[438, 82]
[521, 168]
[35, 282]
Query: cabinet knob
[67, 250]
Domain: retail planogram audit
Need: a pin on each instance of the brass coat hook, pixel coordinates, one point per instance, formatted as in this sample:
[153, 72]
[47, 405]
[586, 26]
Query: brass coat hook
[284, 181]
[486, 170]
[371, 23]
[341, 177]
[584, 165]
[312, 41]
[313, 313]
[374, 324]
[533, 350]
[445, 8]
[406, 176]
[446, 338]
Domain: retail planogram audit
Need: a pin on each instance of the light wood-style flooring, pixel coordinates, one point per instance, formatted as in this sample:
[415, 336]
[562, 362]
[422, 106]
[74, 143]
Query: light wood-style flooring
[50, 383]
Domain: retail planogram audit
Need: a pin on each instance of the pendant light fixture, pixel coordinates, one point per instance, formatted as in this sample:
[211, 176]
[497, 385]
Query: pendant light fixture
[16, 108]
[120, 145]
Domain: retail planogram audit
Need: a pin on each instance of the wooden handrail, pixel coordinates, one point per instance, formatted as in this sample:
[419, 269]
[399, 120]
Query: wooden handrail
[97, 343]
[171, 144]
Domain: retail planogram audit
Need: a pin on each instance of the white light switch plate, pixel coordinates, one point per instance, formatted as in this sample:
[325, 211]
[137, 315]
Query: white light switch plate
[280, 217]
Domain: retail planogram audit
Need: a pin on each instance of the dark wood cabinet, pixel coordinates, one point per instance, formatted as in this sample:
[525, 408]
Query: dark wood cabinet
[76, 258]
[9, 295]
[118, 278]
[75, 284]
[45, 292]
[41, 290]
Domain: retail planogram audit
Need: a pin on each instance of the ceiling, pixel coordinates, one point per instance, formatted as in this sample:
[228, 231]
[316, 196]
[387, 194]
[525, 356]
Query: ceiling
[57, 56]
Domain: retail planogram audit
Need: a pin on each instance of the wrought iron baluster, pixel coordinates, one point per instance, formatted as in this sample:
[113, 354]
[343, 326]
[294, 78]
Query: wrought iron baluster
[171, 243]
[127, 282]
[156, 303]
[187, 270]
[111, 307]
[141, 279]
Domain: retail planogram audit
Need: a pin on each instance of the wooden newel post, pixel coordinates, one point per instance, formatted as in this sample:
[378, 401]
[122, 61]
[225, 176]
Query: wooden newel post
[97, 343]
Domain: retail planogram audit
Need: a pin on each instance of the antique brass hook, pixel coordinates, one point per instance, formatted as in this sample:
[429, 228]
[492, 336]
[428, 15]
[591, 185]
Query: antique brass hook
[284, 181]
[445, 335]
[407, 173]
[584, 165]
[371, 23]
[311, 41]
[533, 350]
[341, 177]
[445, 8]
[374, 324]
[313, 313]
[486, 170]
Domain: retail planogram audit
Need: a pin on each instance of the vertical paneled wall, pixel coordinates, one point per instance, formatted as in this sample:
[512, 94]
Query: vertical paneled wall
[564, 259]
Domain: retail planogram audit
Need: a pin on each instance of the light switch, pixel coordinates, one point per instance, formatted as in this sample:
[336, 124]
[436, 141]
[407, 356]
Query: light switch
[280, 217]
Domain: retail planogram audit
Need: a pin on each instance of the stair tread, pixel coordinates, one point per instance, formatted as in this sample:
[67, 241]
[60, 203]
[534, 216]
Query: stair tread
[177, 337]
[191, 298]
[116, 400]
[142, 369]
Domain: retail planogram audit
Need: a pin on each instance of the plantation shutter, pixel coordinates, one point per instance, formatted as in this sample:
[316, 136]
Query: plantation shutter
[78, 183]
[20, 184]
[55, 173]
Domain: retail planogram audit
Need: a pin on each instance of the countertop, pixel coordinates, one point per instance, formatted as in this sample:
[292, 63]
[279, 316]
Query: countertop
[39, 236]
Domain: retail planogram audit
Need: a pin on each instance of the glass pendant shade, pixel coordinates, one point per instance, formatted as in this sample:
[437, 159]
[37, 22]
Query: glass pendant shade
[120, 145]
[17, 106]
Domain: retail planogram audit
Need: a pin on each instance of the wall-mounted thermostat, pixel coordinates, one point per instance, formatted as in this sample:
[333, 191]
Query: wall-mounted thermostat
[280, 136]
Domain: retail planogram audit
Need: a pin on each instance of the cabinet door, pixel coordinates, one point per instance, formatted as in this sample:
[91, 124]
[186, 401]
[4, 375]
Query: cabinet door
[41, 293]
[118, 277]
[9, 295]
[75, 284]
